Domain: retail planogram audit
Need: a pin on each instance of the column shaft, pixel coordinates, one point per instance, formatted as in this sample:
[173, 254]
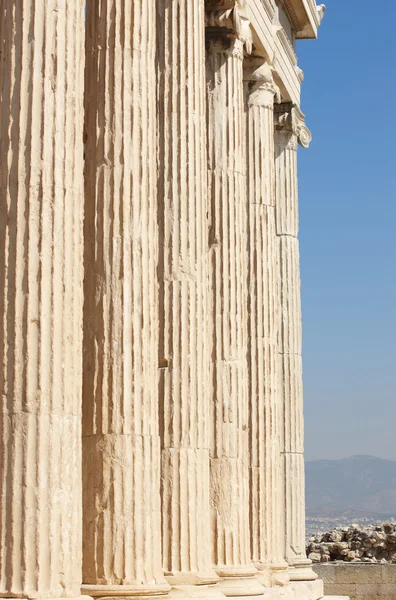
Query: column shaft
[184, 390]
[41, 215]
[228, 318]
[264, 426]
[121, 444]
[290, 344]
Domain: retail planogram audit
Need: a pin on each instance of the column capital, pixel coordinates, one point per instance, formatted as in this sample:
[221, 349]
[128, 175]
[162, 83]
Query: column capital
[215, 5]
[229, 22]
[259, 75]
[289, 117]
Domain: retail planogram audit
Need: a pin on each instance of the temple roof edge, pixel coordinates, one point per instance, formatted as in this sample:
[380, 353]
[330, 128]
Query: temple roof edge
[305, 16]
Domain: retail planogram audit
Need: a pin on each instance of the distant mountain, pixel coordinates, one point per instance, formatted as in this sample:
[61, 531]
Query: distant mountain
[357, 486]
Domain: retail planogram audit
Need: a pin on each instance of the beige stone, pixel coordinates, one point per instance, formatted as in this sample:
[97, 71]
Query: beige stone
[368, 589]
[344, 589]
[121, 443]
[358, 573]
[289, 130]
[358, 581]
[388, 573]
[315, 588]
[183, 340]
[229, 451]
[265, 459]
[41, 215]
[326, 572]
[183, 346]
[387, 589]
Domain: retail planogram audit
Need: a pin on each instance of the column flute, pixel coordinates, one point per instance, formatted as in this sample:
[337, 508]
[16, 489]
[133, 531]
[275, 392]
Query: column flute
[121, 443]
[41, 275]
[264, 418]
[227, 35]
[183, 351]
[289, 131]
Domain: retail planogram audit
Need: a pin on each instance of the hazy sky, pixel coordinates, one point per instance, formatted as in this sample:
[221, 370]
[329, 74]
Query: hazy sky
[348, 231]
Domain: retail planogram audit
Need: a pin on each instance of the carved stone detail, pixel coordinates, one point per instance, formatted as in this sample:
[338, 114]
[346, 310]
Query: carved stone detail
[173, 365]
[41, 299]
[264, 430]
[289, 117]
[321, 9]
[233, 20]
[121, 443]
[259, 75]
[290, 127]
[229, 466]
[184, 391]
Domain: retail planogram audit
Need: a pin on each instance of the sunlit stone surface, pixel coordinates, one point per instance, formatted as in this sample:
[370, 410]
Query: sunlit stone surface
[41, 296]
[151, 427]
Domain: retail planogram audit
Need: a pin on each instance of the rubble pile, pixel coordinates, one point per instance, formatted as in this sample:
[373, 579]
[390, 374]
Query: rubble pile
[355, 543]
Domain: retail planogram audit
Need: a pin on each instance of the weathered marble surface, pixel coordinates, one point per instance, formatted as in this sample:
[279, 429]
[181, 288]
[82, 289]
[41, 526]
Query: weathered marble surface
[41, 272]
[121, 441]
[164, 386]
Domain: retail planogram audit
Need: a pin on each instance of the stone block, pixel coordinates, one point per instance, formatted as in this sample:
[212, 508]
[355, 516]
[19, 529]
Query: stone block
[375, 597]
[314, 589]
[300, 591]
[343, 589]
[317, 589]
[349, 573]
[278, 593]
[389, 573]
[368, 589]
[388, 589]
[325, 572]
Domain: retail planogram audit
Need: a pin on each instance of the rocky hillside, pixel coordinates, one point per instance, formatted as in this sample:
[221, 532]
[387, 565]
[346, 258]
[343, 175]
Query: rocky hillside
[371, 544]
[356, 486]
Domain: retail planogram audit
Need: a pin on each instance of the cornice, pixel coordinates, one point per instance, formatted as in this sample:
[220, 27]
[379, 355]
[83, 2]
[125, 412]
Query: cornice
[270, 7]
[289, 8]
[288, 117]
[300, 74]
[305, 16]
[269, 45]
[318, 11]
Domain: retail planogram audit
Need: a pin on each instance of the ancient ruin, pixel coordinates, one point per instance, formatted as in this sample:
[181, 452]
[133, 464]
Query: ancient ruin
[356, 543]
[152, 424]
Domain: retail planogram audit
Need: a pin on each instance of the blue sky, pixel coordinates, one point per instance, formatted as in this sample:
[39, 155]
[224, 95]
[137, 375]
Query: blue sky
[348, 231]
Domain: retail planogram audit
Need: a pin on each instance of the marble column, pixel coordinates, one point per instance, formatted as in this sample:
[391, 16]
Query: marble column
[183, 356]
[264, 417]
[41, 215]
[229, 463]
[289, 130]
[121, 443]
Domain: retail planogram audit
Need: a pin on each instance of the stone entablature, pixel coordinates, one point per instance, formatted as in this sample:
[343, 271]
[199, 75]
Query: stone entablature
[305, 16]
[275, 27]
[164, 385]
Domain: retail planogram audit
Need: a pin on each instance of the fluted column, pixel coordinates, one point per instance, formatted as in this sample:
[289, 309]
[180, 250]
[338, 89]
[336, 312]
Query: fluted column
[264, 417]
[121, 444]
[229, 466]
[183, 356]
[41, 215]
[290, 130]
